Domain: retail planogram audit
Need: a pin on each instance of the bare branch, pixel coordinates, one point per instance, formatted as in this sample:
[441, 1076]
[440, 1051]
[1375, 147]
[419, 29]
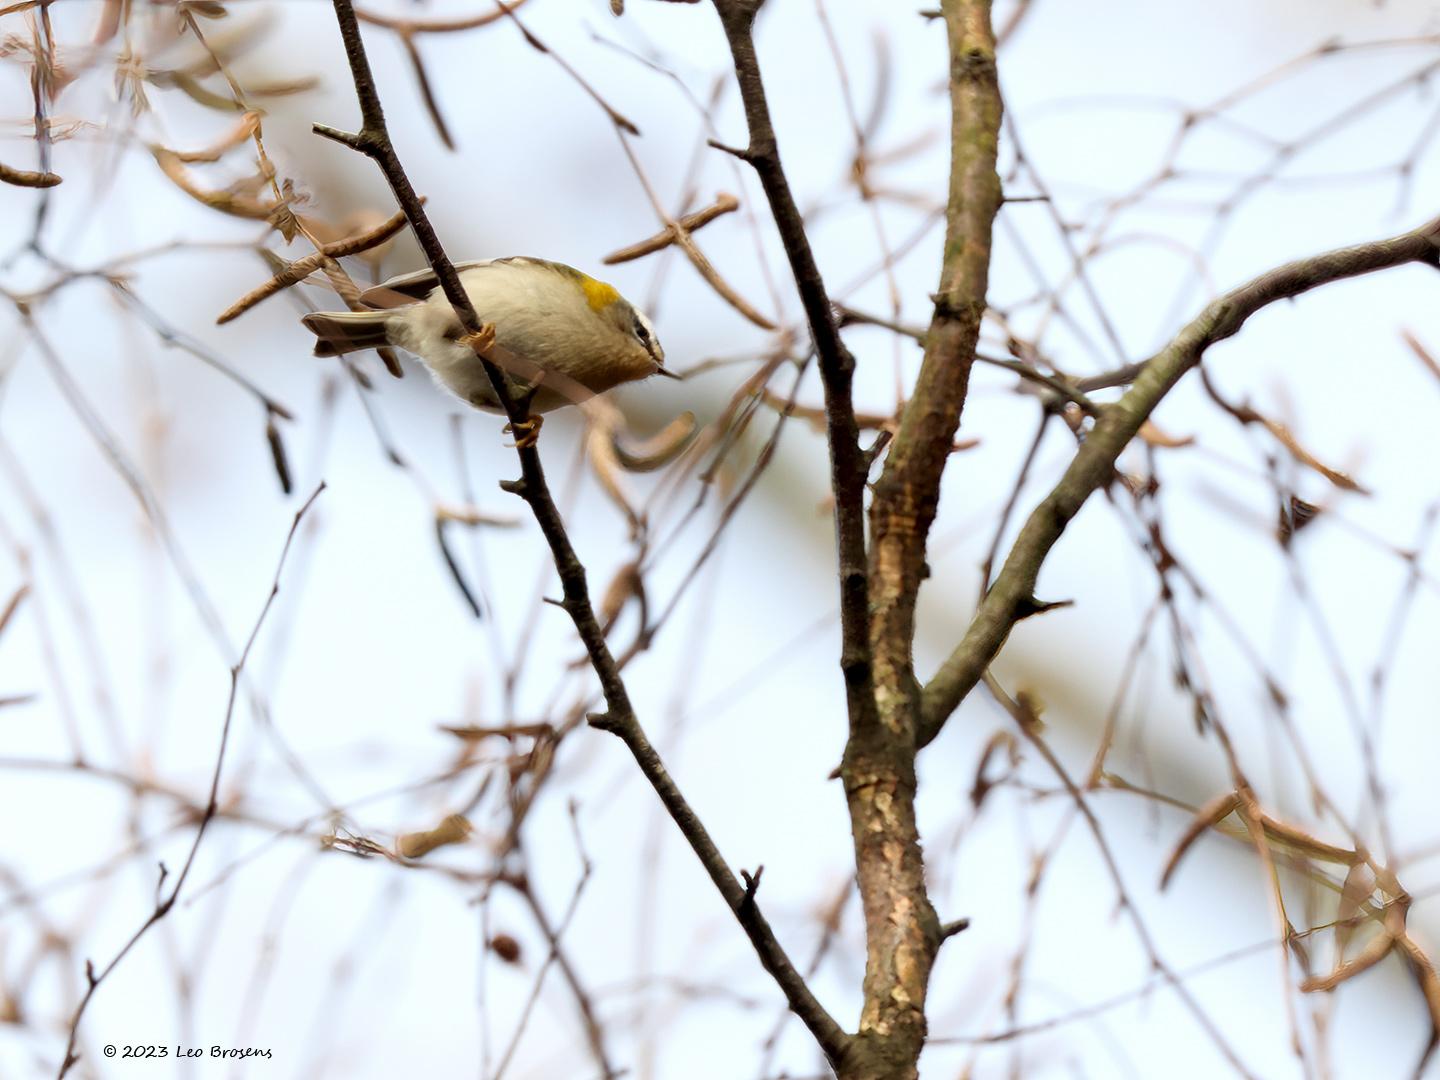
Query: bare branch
[1093, 465]
[163, 905]
[619, 718]
[848, 466]
[300, 269]
[723, 204]
[903, 933]
[438, 26]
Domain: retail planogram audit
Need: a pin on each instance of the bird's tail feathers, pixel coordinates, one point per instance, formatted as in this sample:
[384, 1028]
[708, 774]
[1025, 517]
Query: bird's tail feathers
[346, 331]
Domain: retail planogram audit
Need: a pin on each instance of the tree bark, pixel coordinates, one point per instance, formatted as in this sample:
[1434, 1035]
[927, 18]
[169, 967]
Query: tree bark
[902, 930]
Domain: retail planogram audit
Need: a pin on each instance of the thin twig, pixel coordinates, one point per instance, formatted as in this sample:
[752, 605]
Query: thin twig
[1028, 722]
[164, 905]
[438, 26]
[723, 204]
[302, 268]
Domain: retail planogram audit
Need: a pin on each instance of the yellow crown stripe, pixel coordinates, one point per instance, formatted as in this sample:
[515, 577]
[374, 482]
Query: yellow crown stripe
[598, 294]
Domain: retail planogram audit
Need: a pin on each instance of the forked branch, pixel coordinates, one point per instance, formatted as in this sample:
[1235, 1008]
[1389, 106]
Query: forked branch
[902, 931]
[1094, 464]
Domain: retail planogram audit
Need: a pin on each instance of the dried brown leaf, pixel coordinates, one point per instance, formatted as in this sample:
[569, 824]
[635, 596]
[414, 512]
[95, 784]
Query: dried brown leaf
[474, 732]
[1155, 437]
[195, 91]
[205, 9]
[1288, 440]
[241, 132]
[1207, 817]
[1375, 950]
[226, 202]
[605, 464]
[661, 448]
[1359, 886]
[626, 585]
[1425, 356]
[1298, 840]
[26, 178]
[1001, 741]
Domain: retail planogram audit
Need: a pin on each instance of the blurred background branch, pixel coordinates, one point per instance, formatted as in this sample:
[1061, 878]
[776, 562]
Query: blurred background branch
[1218, 730]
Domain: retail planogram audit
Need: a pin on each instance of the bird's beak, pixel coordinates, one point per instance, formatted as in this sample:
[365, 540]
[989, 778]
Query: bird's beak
[668, 374]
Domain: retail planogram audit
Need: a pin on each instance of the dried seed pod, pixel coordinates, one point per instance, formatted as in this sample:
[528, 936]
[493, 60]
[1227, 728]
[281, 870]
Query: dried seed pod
[453, 830]
[506, 948]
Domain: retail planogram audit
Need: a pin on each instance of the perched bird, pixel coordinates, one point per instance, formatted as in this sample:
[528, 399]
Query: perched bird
[561, 335]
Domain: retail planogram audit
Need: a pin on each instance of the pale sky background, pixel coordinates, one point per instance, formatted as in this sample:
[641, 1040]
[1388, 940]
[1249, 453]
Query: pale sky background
[370, 647]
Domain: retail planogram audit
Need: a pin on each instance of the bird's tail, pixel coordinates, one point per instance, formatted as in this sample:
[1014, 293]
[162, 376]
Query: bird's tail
[347, 331]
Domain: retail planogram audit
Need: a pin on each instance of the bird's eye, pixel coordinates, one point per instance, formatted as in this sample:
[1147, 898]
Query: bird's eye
[642, 333]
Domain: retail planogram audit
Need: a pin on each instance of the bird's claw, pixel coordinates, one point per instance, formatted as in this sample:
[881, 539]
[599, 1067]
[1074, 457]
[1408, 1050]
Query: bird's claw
[481, 340]
[526, 432]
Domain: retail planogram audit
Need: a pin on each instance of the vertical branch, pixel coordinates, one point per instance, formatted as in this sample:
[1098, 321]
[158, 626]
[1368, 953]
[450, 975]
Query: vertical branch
[902, 931]
[42, 87]
[619, 717]
[848, 464]
[878, 599]
[907, 494]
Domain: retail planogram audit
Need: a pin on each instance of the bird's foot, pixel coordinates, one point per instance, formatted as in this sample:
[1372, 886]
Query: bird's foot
[481, 340]
[526, 432]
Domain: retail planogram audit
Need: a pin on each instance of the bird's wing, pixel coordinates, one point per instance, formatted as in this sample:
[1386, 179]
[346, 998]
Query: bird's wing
[409, 288]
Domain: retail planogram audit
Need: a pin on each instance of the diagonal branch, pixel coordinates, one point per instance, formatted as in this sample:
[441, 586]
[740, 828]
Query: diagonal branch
[848, 464]
[1011, 596]
[373, 140]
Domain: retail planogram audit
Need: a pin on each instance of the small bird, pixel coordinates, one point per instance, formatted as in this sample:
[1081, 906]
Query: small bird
[560, 334]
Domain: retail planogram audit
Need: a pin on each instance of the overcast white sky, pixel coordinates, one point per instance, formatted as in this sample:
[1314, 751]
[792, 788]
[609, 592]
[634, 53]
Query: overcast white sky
[372, 648]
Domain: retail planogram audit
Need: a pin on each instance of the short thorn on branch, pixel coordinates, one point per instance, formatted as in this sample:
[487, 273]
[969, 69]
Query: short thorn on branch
[603, 722]
[876, 448]
[1031, 606]
[514, 487]
[752, 885]
[950, 929]
[344, 138]
[745, 155]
